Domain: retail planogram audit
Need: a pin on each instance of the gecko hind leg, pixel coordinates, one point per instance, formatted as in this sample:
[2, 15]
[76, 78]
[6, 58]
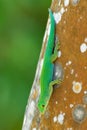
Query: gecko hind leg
[54, 82]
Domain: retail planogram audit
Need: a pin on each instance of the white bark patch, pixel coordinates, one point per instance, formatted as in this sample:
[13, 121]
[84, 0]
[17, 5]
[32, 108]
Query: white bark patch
[34, 129]
[62, 10]
[71, 105]
[58, 15]
[85, 92]
[77, 87]
[83, 47]
[55, 119]
[61, 118]
[59, 53]
[66, 3]
[85, 40]
[68, 63]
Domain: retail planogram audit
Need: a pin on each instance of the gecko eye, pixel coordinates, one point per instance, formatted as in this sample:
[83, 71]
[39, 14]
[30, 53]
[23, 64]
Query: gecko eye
[43, 105]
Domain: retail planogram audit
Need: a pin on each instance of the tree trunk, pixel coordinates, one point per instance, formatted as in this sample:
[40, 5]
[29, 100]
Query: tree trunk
[67, 108]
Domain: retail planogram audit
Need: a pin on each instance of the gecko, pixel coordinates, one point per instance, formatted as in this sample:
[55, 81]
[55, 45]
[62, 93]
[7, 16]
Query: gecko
[46, 77]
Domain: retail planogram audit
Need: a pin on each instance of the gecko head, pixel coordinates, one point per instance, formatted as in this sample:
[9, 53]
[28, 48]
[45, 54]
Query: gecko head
[42, 104]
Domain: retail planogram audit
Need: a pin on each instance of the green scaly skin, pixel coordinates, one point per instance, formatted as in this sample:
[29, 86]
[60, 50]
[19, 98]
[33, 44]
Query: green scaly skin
[46, 82]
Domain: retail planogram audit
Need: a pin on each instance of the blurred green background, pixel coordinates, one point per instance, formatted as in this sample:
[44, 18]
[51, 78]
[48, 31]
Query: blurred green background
[22, 26]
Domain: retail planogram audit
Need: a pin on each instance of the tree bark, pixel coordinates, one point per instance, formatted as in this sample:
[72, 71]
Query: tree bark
[68, 100]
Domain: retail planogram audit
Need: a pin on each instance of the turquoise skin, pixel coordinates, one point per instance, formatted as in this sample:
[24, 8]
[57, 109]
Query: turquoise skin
[46, 77]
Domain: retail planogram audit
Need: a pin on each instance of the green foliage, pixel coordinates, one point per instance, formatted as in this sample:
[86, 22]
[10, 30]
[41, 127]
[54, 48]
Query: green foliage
[22, 25]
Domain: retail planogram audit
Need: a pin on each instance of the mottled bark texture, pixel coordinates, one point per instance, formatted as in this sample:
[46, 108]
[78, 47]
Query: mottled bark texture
[68, 104]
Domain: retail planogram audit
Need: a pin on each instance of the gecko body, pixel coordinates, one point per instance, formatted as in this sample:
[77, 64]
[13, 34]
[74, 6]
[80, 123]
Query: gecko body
[46, 83]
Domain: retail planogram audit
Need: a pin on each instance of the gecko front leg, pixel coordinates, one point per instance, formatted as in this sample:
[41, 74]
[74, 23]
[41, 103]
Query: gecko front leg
[54, 82]
[55, 54]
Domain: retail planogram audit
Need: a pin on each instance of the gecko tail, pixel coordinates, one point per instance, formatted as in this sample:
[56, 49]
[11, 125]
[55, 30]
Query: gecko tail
[50, 11]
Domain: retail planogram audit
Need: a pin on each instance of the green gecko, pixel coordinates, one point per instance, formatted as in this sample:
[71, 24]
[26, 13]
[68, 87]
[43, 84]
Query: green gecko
[46, 83]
